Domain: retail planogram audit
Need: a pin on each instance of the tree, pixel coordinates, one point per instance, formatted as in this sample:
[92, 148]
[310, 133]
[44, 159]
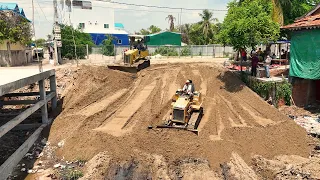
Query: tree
[185, 30]
[206, 26]
[171, 20]
[248, 24]
[81, 40]
[144, 32]
[14, 28]
[40, 42]
[107, 46]
[286, 11]
[151, 30]
[154, 29]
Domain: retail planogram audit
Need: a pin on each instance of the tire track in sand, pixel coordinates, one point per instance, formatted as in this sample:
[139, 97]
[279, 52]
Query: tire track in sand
[116, 126]
[242, 122]
[203, 85]
[219, 128]
[103, 104]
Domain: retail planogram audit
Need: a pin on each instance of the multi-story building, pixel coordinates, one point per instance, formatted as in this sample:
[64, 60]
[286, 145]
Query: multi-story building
[97, 19]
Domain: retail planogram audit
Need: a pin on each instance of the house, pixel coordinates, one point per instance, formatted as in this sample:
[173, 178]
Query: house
[305, 57]
[165, 38]
[96, 19]
[13, 54]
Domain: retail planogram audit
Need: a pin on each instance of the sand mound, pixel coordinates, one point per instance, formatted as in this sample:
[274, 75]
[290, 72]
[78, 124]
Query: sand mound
[236, 120]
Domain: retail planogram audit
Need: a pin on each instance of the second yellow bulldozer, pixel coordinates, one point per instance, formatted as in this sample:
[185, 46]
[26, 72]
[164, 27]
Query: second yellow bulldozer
[186, 112]
[137, 58]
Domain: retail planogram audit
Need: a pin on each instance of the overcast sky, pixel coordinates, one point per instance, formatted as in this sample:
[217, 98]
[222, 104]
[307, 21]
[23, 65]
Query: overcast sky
[133, 18]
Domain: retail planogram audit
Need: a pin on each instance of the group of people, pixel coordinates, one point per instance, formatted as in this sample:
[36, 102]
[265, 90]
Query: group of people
[254, 64]
[258, 56]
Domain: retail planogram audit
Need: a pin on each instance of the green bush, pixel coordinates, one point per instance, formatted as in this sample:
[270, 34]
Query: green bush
[185, 51]
[166, 51]
[107, 47]
[264, 89]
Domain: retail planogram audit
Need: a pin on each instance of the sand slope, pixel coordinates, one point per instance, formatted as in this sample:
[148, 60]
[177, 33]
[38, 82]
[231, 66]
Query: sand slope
[236, 120]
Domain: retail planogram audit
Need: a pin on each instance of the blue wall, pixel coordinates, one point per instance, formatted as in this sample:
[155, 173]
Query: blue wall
[98, 38]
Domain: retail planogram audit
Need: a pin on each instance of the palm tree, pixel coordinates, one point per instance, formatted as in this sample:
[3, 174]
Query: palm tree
[206, 25]
[171, 20]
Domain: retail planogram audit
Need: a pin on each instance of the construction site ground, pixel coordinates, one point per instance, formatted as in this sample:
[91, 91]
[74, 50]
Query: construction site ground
[106, 115]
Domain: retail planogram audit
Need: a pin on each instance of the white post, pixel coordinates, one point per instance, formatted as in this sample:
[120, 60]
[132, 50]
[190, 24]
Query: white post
[191, 51]
[53, 88]
[44, 108]
[87, 46]
[115, 53]
[213, 55]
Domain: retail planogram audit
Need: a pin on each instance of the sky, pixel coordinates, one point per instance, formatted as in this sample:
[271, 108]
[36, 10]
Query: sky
[134, 18]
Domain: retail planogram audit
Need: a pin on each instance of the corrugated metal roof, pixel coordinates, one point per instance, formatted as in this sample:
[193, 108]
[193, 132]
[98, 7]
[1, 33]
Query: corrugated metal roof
[163, 32]
[118, 25]
[22, 12]
[13, 7]
[309, 22]
[9, 6]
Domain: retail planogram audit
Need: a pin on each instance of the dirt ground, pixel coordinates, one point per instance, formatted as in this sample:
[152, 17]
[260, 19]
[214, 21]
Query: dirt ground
[106, 115]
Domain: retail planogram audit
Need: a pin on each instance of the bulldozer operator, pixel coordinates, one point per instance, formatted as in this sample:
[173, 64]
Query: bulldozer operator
[188, 88]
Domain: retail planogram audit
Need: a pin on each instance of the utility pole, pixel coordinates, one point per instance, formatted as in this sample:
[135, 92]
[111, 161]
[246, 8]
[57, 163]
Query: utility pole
[34, 35]
[55, 24]
[181, 21]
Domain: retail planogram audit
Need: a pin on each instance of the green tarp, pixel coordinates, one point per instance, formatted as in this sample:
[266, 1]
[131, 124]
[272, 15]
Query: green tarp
[165, 38]
[305, 54]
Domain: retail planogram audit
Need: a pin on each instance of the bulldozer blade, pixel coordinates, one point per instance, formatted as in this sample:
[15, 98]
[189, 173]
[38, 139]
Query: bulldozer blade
[135, 68]
[179, 127]
[124, 68]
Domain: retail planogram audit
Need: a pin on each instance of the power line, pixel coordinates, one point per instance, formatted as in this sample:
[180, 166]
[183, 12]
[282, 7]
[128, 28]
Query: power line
[138, 10]
[165, 7]
[153, 6]
[42, 11]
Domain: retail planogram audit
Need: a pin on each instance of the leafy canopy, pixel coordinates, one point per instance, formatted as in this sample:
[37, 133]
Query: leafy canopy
[14, 28]
[248, 24]
[151, 30]
[81, 40]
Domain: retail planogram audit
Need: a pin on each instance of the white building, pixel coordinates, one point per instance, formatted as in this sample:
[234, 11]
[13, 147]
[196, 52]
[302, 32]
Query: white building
[97, 19]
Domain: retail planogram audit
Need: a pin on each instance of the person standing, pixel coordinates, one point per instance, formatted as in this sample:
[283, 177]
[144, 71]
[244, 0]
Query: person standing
[244, 55]
[50, 52]
[267, 65]
[254, 64]
[260, 54]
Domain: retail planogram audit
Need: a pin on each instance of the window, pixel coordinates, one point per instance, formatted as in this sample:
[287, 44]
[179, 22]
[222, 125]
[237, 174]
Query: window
[81, 25]
[119, 41]
[106, 26]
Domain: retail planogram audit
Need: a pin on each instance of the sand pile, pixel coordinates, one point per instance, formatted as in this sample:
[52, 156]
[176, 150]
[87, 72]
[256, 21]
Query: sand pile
[109, 111]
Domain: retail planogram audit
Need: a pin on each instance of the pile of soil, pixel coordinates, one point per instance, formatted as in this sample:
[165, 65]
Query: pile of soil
[236, 121]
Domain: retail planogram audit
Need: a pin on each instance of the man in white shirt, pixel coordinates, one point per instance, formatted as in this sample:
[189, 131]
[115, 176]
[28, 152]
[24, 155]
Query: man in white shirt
[267, 65]
[188, 88]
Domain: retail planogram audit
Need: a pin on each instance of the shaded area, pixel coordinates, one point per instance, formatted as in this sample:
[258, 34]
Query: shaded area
[17, 138]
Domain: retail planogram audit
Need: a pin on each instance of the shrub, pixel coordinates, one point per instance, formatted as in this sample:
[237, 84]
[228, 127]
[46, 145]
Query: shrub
[107, 47]
[185, 51]
[166, 51]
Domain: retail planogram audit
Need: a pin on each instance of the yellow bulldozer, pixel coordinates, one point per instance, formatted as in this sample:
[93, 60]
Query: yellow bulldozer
[137, 57]
[186, 112]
